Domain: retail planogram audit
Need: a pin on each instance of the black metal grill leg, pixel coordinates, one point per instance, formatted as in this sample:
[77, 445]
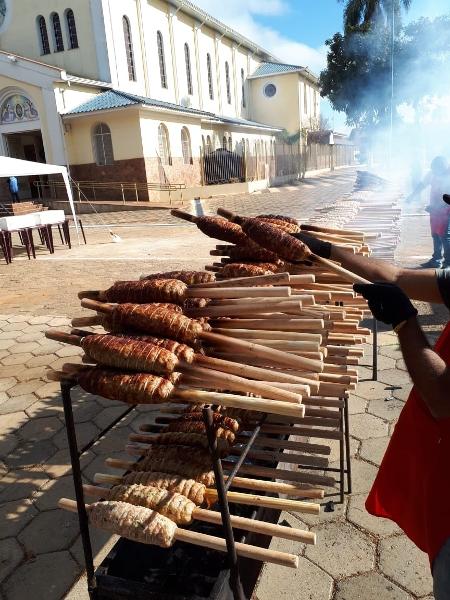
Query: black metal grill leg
[375, 351]
[235, 579]
[341, 456]
[76, 472]
[348, 457]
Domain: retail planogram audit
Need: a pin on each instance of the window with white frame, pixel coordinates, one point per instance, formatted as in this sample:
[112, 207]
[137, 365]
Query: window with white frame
[243, 88]
[187, 60]
[210, 77]
[208, 144]
[186, 146]
[129, 48]
[43, 35]
[305, 98]
[102, 144]
[58, 42]
[162, 60]
[230, 143]
[72, 35]
[227, 81]
[164, 145]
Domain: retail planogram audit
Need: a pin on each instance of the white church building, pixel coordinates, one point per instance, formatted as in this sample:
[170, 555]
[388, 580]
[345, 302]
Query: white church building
[153, 92]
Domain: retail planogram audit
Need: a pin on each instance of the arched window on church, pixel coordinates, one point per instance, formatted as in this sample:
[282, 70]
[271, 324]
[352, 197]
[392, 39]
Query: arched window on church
[227, 81]
[43, 35]
[164, 145]
[72, 35]
[58, 42]
[210, 77]
[187, 60]
[186, 146]
[162, 60]
[102, 144]
[129, 48]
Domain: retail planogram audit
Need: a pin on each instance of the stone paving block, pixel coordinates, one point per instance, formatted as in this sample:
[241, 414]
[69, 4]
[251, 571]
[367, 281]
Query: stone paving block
[3, 469]
[109, 415]
[308, 582]
[11, 554]
[23, 347]
[400, 364]
[86, 411]
[30, 453]
[7, 383]
[39, 320]
[47, 347]
[59, 464]
[29, 337]
[58, 364]
[371, 390]
[68, 351]
[97, 465]
[8, 335]
[403, 393]
[28, 374]
[11, 370]
[364, 426]
[50, 531]
[385, 362]
[338, 514]
[358, 515]
[4, 353]
[85, 433]
[114, 441]
[40, 429]
[6, 344]
[16, 359]
[373, 450]
[14, 516]
[52, 575]
[59, 322]
[387, 338]
[102, 541]
[8, 442]
[41, 360]
[393, 351]
[405, 564]
[10, 423]
[25, 387]
[21, 484]
[389, 410]
[363, 475]
[3, 397]
[48, 390]
[356, 405]
[45, 408]
[17, 319]
[394, 377]
[370, 586]
[342, 550]
[15, 327]
[54, 489]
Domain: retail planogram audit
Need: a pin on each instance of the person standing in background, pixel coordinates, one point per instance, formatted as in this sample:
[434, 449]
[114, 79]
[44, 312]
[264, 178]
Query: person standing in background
[14, 188]
[438, 179]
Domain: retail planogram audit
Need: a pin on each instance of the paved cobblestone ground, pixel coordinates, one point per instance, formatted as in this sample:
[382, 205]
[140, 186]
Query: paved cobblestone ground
[357, 556]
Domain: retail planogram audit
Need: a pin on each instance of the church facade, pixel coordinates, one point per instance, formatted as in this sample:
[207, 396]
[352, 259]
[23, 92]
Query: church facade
[141, 90]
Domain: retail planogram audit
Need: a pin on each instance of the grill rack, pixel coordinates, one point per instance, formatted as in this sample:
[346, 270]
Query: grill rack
[235, 581]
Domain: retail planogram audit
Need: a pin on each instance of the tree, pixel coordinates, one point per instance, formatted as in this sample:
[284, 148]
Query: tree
[360, 14]
[357, 79]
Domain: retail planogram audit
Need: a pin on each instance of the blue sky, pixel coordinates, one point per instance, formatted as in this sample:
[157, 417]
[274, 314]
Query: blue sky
[295, 30]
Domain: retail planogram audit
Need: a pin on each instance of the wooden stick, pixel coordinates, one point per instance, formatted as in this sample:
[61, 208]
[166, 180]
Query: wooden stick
[211, 516]
[247, 403]
[279, 324]
[275, 279]
[268, 334]
[243, 309]
[87, 321]
[238, 292]
[214, 543]
[268, 502]
[260, 485]
[276, 356]
[347, 275]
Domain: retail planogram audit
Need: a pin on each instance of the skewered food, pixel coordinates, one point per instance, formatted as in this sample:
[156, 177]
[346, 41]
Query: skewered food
[130, 354]
[278, 218]
[275, 240]
[133, 522]
[132, 388]
[285, 226]
[158, 321]
[218, 419]
[172, 505]
[147, 291]
[187, 277]
[193, 490]
[196, 440]
[198, 427]
[247, 270]
[170, 461]
[250, 253]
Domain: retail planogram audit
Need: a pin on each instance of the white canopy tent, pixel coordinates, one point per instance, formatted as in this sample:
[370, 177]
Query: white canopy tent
[24, 168]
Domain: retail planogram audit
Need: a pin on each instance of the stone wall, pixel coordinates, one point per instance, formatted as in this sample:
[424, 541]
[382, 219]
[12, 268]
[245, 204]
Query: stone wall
[177, 172]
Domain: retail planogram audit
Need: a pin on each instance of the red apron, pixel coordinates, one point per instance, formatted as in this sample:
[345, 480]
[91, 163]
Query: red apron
[439, 221]
[412, 487]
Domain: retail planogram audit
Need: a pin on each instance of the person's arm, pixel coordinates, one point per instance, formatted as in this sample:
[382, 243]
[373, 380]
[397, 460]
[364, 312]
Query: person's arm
[428, 371]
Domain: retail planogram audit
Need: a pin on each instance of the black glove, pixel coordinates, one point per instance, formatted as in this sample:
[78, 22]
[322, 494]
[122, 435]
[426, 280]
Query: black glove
[387, 302]
[316, 246]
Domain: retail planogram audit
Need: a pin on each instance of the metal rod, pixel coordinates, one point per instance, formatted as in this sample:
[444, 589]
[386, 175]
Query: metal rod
[78, 484]
[235, 579]
[347, 447]
[375, 350]
[243, 455]
[341, 457]
[105, 430]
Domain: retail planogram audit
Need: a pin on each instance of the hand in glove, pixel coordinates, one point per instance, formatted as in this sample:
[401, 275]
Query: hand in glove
[318, 247]
[387, 302]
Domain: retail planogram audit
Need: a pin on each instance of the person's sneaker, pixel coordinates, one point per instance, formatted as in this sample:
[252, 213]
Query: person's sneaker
[445, 264]
[430, 264]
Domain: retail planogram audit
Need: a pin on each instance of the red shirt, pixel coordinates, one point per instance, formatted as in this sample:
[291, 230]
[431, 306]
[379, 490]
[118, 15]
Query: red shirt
[412, 487]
